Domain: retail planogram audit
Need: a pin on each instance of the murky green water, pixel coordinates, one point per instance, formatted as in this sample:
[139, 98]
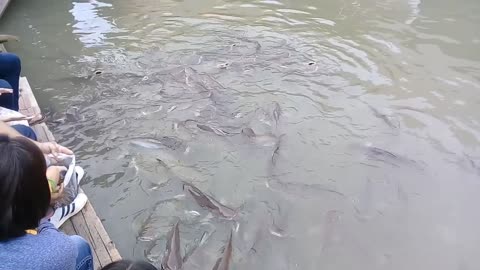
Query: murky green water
[373, 163]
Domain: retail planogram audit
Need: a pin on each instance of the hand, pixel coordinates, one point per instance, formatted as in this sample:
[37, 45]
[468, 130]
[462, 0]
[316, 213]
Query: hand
[5, 91]
[53, 174]
[57, 195]
[53, 148]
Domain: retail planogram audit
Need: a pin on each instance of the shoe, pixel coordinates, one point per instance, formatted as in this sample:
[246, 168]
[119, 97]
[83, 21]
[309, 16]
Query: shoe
[65, 212]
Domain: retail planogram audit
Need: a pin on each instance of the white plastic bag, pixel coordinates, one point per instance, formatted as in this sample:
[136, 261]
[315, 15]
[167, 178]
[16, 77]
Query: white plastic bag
[70, 182]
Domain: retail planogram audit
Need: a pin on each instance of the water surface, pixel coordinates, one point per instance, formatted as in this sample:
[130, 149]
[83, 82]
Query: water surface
[372, 161]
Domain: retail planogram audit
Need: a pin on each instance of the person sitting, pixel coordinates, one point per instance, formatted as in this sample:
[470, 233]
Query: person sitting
[23, 128]
[27, 239]
[10, 68]
[129, 265]
[63, 211]
[67, 197]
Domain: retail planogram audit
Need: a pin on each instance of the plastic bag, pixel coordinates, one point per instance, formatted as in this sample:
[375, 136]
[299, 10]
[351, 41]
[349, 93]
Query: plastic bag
[70, 182]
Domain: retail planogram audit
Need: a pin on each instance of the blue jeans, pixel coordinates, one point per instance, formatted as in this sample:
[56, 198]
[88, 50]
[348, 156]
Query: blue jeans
[10, 72]
[25, 131]
[84, 257]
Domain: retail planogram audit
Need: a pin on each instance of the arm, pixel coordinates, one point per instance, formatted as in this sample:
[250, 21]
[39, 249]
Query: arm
[46, 147]
[9, 131]
[45, 225]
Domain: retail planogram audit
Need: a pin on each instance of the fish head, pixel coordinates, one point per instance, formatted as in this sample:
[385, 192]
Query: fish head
[248, 132]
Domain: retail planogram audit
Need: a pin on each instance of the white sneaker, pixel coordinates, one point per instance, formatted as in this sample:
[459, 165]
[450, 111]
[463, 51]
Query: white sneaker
[65, 212]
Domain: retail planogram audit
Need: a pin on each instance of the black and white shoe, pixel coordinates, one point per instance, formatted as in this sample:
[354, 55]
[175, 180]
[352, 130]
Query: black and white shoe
[65, 212]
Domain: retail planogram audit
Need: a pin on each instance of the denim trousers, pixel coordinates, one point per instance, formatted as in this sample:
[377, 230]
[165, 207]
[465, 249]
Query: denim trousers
[84, 257]
[10, 76]
[25, 131]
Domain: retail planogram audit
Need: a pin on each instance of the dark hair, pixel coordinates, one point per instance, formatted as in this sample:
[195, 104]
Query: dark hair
[24, 191]
[129, 265]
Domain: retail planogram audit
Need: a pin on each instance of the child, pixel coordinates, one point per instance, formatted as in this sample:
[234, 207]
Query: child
[67, 197]
[27, 239]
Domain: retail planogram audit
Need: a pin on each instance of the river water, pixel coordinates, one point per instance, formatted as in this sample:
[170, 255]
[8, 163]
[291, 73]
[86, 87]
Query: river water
[366, 115]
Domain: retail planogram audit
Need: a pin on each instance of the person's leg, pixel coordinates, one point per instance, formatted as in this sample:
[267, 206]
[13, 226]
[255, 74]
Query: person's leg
[25, 131]
[10, 71]
[6, 100]
[84, 257]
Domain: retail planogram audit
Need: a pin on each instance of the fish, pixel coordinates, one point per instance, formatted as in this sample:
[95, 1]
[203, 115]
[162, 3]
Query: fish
[147, 143]
[215, 130]
[277, 112]
[387, 117]
[205, 127]
[223, 263]
[248, 132]
[203, 81]
[376, 151]
[276, 150]
[172, 259]
[176, 168]
[72, 114]
[147, 230]
[265, 139]
[207, 201]
[172, 109]
[223, 65]
[256, 44]
[382, 155]
[172, 143]
[7, 38]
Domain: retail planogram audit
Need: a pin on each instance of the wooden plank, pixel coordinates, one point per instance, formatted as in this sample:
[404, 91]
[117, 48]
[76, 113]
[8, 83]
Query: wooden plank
[49, 134]
[81, 229]
[86, 223]
[99, 247]
[98, 230]
[29, 100]
[68, 228]
[40, 131]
